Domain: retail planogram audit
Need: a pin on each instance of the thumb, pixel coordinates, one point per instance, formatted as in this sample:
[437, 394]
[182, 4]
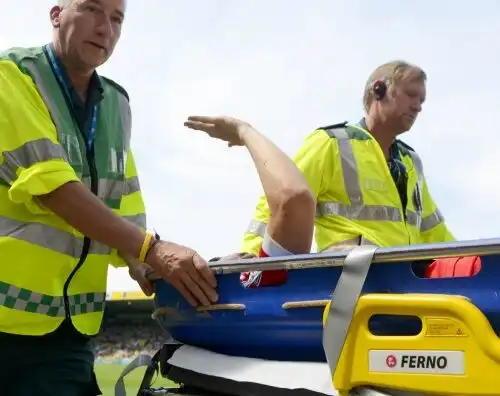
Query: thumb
[146, 286]
[140, 276]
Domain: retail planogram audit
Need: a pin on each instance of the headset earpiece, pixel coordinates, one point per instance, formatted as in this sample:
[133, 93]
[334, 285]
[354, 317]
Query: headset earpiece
[379, 90]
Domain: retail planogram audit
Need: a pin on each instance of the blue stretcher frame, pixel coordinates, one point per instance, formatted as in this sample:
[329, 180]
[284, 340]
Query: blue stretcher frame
[256, 324]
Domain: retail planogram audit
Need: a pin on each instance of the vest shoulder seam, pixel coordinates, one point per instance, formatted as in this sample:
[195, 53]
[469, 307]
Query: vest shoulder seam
[116, 86]
[334, 126]
[405, 146]
[352, 132]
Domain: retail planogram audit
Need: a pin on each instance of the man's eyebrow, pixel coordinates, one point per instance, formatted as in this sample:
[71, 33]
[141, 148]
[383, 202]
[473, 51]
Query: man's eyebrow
[99, 3]
[120, 13]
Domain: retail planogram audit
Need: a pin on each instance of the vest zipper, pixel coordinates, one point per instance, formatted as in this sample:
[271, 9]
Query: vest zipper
[86, 240]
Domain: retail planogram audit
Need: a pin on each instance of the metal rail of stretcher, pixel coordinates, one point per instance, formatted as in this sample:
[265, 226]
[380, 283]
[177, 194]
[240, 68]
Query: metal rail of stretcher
[481, 247]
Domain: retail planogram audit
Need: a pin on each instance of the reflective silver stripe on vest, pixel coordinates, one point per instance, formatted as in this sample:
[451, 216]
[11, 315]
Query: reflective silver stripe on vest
[334, 208]
[28, 154]
[257, 227]
[431, 221]
[349, 166]
[360, 212]
[114, 189]
[48, 237]
[29, 301]
[132, 185]
[139, 220]
[126, 119]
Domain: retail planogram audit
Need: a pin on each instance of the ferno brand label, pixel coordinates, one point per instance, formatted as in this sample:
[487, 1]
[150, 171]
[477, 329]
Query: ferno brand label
[418, 362]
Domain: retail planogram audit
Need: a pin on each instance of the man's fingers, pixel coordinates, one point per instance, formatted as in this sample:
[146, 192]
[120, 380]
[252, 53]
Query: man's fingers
[195, 289]
[139, 273]
[179, 285]
[145, 284]
[146, 287]
[204, 270]
[204, 119]
[149, 273]
[200, 126]
[206, 288]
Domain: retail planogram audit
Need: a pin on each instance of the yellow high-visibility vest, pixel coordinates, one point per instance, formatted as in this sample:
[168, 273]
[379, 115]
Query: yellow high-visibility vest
[357, 199]
[49, 270]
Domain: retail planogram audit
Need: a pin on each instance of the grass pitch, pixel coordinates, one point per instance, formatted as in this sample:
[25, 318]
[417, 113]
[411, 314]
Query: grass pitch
[107, 374]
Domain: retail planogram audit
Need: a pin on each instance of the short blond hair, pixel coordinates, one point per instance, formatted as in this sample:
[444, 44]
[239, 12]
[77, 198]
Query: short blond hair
[390, 73]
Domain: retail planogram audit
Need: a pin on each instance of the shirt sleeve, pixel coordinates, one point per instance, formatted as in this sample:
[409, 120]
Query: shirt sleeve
[32, 162]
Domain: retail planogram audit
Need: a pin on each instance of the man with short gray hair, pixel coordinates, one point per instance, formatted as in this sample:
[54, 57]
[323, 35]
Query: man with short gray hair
[369, 185]
[71, 204]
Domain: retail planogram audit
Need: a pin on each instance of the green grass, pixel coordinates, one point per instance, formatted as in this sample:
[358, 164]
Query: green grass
[107, 374]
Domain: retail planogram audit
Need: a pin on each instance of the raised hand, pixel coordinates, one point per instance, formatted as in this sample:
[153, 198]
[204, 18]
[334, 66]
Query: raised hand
[228, 129]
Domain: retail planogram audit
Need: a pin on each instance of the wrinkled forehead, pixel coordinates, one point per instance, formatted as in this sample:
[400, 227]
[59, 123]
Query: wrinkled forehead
[412, 82]
[121, 4]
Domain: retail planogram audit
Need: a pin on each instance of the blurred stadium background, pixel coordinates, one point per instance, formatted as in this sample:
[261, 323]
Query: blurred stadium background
[127, 331]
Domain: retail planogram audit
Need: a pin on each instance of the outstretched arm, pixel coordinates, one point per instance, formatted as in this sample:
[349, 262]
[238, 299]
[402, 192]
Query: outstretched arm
[292, 205]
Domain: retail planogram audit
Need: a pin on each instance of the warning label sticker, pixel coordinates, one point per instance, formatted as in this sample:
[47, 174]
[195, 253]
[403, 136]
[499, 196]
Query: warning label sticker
[421, 362]
[440, 327]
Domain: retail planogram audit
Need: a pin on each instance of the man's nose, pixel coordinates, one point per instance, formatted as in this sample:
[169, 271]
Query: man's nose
[416, 107]
[104, 26]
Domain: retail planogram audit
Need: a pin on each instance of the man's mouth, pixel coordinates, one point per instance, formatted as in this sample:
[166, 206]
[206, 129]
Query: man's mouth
[97, 46]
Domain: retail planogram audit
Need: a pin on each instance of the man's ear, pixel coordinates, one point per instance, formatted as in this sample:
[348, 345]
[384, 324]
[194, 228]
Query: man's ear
[55, 13]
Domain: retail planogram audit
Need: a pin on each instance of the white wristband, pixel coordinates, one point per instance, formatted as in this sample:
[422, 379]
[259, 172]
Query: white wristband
[273, 248]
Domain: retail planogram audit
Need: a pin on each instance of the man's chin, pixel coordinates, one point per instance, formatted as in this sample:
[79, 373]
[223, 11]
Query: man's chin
[407, 124]
[94, 60]
[97, 61]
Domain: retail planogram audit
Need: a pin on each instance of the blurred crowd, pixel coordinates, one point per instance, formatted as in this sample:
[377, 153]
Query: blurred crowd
[123, 340]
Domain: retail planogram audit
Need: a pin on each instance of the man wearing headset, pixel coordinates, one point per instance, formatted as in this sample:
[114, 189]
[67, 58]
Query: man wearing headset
[369, 185]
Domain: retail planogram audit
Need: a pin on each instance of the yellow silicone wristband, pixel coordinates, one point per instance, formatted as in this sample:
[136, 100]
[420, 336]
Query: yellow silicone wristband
[145, 246]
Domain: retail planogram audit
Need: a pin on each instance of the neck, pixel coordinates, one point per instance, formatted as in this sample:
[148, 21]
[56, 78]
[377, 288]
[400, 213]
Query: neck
[382, 133]
[78, 76]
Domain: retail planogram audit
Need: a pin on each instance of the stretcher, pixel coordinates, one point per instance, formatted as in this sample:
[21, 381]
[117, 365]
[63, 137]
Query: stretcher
[361, 322]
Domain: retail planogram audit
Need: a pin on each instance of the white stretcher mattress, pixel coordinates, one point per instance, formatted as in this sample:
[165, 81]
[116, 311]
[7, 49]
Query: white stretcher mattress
[286, 375]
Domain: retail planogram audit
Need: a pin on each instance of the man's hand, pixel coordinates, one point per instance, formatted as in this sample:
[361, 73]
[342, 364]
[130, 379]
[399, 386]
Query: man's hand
[139, 272]
[184, 269]
[228, 129]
